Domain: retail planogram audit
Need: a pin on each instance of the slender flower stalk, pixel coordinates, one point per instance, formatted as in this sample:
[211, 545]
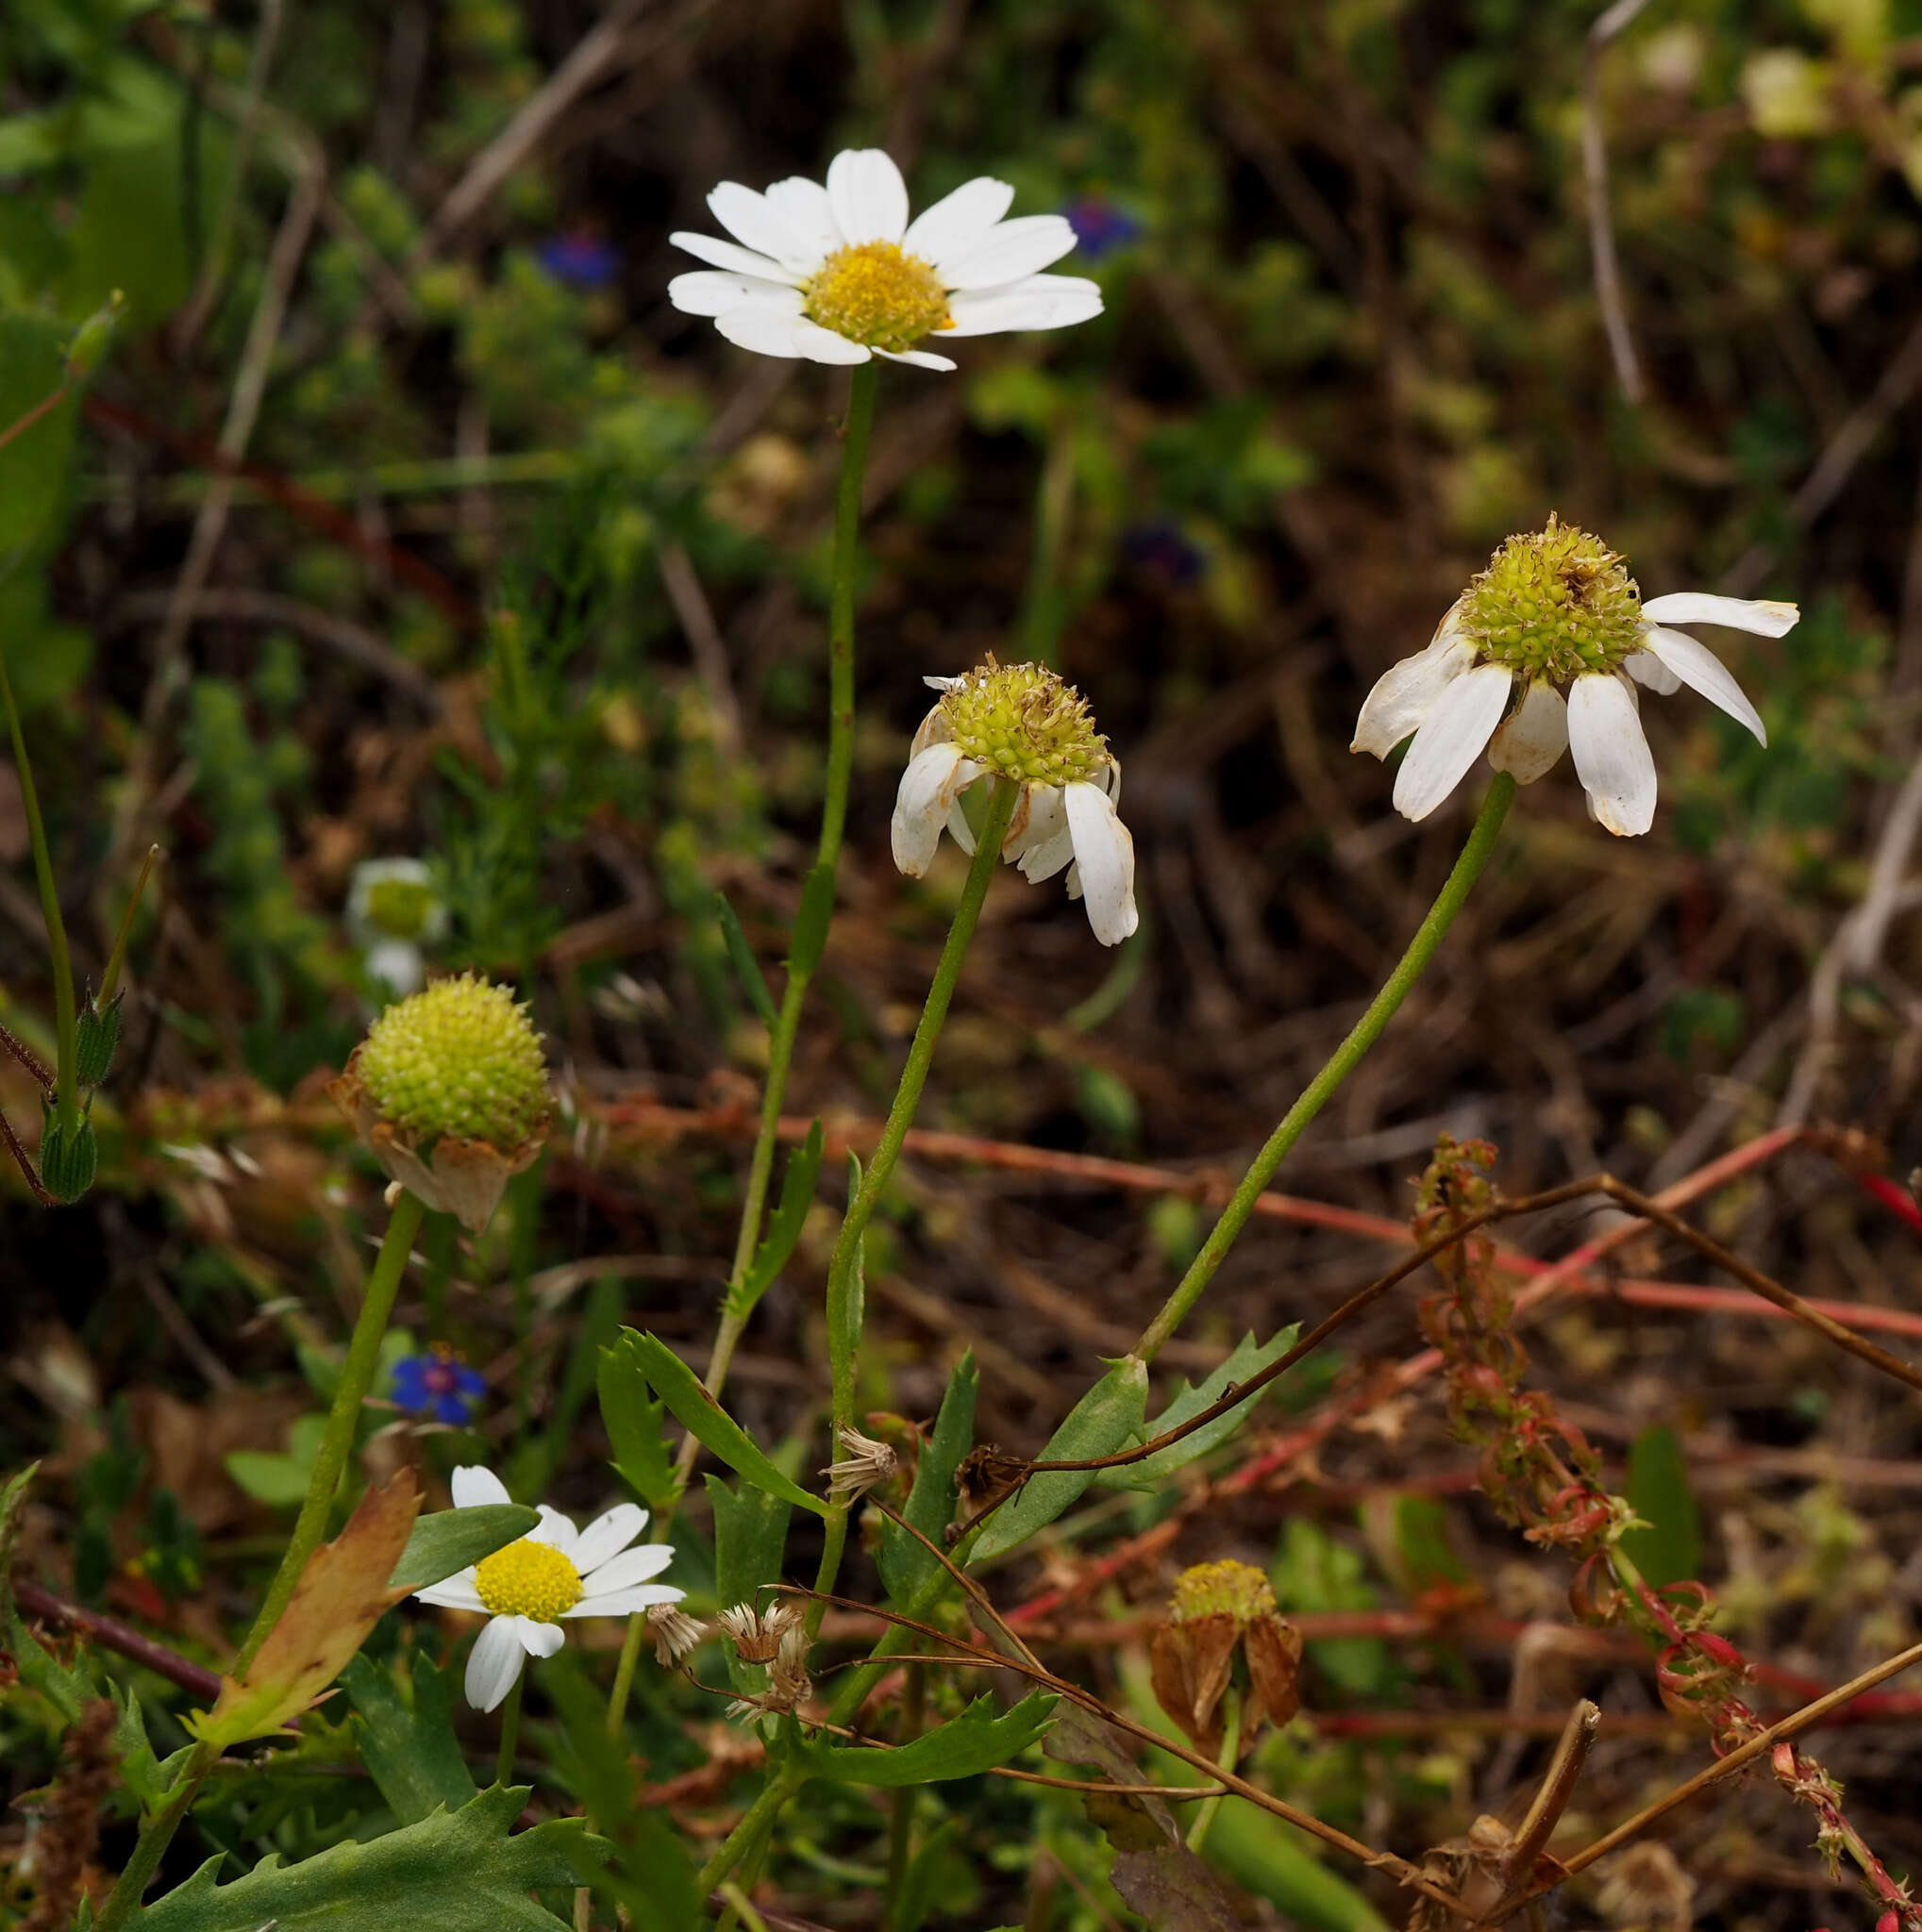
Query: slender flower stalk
[1341, 1063]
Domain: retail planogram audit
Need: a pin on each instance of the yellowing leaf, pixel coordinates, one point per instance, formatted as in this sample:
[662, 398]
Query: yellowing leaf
[339, 1597]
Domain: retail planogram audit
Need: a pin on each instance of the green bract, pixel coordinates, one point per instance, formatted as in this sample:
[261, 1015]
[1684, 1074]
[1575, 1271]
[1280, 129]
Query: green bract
[459, 1059]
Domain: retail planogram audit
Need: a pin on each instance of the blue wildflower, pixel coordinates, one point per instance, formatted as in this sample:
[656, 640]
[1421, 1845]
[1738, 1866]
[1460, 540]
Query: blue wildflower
[1099, 226]
[1162, 550]
[438, 1384]
[579, 259]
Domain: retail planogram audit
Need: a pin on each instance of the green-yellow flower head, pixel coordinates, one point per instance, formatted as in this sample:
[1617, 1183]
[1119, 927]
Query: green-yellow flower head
[1226, 1589]
[1554, 605]
[399, 907]
[875, 293]
[1022, 722]
[459, 1059]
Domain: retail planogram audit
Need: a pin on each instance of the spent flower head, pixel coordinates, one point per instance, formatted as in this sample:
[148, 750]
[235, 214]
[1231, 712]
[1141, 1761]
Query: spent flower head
[1022, 723]
[449, 1088]
[1547, 650]
[1221, 1614]
[862, 1464]
[554, 1572]
[839, 273]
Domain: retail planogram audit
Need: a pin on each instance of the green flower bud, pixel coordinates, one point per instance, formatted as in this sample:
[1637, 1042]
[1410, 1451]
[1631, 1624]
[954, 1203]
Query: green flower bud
[96, 1034]
[90, 340]
[68, 1162]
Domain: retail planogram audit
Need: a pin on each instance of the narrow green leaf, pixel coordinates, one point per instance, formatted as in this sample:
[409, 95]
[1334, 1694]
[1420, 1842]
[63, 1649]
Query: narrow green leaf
[747, 967]
[1249, 1360]
[704, 1418]
[808, 940]
[449, 1872]
[636, 1429]
[975, 1741]
[1108, 1418]
[1670, 1550]
[452, 1539]
[906, 1567]
[407, 1743]
[750, 1542]
[783, 1228]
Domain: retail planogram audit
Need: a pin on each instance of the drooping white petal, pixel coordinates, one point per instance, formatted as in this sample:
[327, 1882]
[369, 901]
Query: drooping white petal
[1701, 670]
[959, 830]
[1611, 753]
[456, 1592]
[804, 206]
[1040, 302]
[1406, 692]
[1453, 735]
[554, 1529]
[1043, 820]
[918, 358]
[626, 1567]
[754, 219]
[733, 257]
[472, 1484]
[624, 1603]
[714, 291]
[538, 1639]
[1761, 616]
[769, 330]
[958, 219]
[1651, 673]
[940, 684]
[868, 196]
[933, 780]
[1104, 854]
[1008, 252]
[493, 1663]
[934, 729]
[606, 1536]
[1528, 741]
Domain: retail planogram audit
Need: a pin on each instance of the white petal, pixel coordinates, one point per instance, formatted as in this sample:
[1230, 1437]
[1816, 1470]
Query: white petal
[714, 291]
[554, 1529]
[1007, 253]
[753, 219]
[1611, 756]
[1104, 854]
[1765, 619]
[1044, 822]
[474, 1485]
[958, 219]
[456, 1592]
[919, 358]
[771, 331]
[1651, 673]
[804, 206]
[1452, 736]
[868, 196]
[626, 1567]
[933, 780]
[1701, 670]
[624, 1603]
[959, 830]
[493, 1663]
[1528, 741]
[538, 1639]
[607, 1534]
[733, 256]
[1406, 692]
[1040, 302]
[940, 684]
[934, 729]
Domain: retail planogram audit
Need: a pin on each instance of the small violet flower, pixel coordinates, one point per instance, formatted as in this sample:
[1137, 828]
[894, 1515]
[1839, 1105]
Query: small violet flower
[579, 259]
[438, 1384]
[1100, 227]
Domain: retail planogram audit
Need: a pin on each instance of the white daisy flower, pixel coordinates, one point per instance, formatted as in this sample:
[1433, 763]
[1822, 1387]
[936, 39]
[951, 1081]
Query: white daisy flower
[1021, 722]
[1554, 610]
[554, 1570]
[839, 274]
[393, 913]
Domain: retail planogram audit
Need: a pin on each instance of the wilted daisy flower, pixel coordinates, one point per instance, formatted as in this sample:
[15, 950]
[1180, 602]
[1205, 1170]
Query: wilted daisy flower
[393, 913]
[839, 273]
[1554, 611]
[555, 1571]
[1021, 722]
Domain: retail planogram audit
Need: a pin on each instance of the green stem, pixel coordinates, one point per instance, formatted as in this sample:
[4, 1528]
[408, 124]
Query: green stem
[779, 1788]
[1227, 1756]
[624, 1671]
[357, 1376]
[1341, 1063]
[843, 1315]
[156, 1835]
[828, 1571]
[901, 1819]
[66, 1086]
[511, 1728]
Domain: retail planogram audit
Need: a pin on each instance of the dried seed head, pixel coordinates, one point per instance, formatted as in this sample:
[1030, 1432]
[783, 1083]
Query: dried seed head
[1221, 1612]
[676, 1634]
[864, 1462]
[759, 1635]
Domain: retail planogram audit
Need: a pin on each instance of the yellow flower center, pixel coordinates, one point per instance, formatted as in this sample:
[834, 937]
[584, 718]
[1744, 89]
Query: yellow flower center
[1021, 721]
[1557, 604]
[528, 1579]
[875, 293]
[1222, 1590]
